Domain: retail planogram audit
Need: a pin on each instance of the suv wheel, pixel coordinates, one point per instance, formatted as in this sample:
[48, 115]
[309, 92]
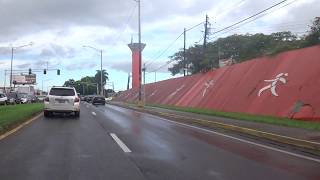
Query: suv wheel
[77, 113]
[46, 114]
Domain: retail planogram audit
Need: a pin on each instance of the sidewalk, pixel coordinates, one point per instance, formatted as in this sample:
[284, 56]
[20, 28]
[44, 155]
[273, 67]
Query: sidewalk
[293, 136]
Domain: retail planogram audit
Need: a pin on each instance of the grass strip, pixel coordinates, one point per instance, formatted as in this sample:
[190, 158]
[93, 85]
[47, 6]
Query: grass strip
[247, 117]
[11, 116]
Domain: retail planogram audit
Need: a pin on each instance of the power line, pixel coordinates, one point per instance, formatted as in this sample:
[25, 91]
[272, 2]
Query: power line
[250, 17]
[130, 15]
[165, 50]
[260, 16]
[256, 16]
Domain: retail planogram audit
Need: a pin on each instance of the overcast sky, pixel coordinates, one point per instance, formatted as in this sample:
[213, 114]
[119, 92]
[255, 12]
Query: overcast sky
[60, 28]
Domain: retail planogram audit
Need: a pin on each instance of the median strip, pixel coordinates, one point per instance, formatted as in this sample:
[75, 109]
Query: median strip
[19, 127]
[13, 116]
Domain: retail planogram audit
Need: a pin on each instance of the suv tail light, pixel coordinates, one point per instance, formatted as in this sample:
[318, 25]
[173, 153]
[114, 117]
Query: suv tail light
[46, 99]
[77, 99]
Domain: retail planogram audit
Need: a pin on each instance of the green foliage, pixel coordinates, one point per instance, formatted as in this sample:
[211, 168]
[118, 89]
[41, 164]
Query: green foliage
[242, 48]
[248, 117]
[313, 37]
[88, 85]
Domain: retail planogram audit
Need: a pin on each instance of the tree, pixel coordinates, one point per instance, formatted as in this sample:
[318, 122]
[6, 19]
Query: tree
[69, 83]
[313, 36]
[238, 47]
[97, 78]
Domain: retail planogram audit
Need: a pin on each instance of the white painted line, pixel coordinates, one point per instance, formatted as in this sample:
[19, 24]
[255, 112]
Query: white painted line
[120, 143]
[93, 113]
[246, 141]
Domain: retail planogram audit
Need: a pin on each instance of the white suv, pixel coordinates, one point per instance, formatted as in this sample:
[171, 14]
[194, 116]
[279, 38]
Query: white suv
[62, 100]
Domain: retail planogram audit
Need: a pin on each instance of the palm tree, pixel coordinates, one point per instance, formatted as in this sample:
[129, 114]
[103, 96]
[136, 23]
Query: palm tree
[97, 78]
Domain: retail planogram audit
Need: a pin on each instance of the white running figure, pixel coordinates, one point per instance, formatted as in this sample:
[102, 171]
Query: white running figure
[280, 77]
[207, 85]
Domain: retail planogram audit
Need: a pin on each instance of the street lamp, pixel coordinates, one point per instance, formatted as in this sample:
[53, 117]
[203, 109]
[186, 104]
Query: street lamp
[14, 48]
[100, 51]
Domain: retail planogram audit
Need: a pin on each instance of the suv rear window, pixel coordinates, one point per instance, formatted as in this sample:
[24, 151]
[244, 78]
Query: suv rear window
[62, 92]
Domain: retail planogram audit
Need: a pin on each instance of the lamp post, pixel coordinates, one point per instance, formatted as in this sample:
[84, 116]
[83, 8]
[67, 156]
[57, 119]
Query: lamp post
[14, 48]
[100, 51]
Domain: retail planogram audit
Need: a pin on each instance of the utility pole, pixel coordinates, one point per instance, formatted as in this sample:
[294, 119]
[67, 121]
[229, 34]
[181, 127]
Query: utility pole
[11, 68]
[128, 81]
[4, 82]
[144, 81]
[184, 52]
[140, 49]
[144, 73]
[102, 88]
[155, 76]
[205, 33]
[205, 37]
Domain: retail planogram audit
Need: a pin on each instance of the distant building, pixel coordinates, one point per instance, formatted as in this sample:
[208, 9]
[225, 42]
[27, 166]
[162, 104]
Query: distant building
[226, 62]
[26, 89]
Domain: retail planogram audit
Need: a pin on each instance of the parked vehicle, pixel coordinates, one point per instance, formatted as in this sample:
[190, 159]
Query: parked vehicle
[3, 99]
[33, 98]
[89, 98]
[24, 97]
[13, 98]
[99, 100]
[41, 98]
[62, 100]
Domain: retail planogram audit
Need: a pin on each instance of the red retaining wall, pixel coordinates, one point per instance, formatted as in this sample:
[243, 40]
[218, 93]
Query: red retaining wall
[291, 81]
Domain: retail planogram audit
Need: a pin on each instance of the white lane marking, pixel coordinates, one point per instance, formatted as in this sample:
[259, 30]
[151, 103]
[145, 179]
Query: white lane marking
[120, 143]
[245, 141]
[93, 113]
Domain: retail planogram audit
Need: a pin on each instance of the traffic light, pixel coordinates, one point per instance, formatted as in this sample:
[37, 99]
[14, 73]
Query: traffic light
[58, 72]
[45, 71]
[30, 71]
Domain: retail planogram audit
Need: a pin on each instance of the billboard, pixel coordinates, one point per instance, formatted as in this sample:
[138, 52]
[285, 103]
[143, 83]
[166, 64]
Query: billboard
[24, 79]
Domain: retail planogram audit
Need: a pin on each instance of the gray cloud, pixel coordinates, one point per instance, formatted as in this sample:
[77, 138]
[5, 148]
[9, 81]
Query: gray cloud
[24, 17]
[57, 51]
[23, 66]
[31, 16]
[80, 65]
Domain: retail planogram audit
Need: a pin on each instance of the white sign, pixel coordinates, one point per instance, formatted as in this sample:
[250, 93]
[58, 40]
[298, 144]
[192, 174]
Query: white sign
[24, 79]
[18, 79]
[279, 78]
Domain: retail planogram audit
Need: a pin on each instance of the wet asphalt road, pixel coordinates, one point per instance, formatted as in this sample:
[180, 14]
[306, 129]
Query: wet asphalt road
[63, 147]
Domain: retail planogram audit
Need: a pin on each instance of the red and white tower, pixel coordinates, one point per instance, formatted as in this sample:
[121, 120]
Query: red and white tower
[136, 64]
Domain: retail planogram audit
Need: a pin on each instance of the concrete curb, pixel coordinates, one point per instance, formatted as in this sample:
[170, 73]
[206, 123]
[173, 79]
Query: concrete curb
[310, 145]
[38, 115]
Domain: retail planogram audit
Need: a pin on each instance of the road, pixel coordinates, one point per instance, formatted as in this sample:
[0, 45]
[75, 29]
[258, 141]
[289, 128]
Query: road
[110, 142]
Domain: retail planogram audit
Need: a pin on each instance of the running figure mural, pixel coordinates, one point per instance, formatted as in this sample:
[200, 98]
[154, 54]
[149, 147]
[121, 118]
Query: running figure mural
[274, 82]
